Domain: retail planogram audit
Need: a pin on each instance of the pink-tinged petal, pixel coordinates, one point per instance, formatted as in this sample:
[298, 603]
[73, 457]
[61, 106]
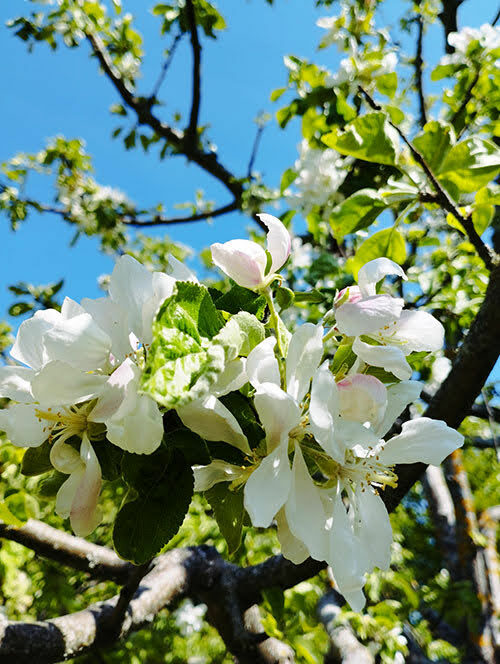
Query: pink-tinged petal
[324, 413]
[59, 384]
[28, 347]
[304, 509]
[421, 440]
[85, 515]
[262, 365]
[15, 383]
[22, 426]
[139, 431]
[211, 420]
[368, 315]
[268, 487]
[374, 271]
[399, 396]
[112, 320]
[205, 477]
[362, 398]
[291, 548]
[373, 528]
[130, 286]
[118, 395]
[390, 358]
[304, 355]
[278, 413]
[279, 242]
[420, 331]
[79, 341]
[353, 294]
[242, 260]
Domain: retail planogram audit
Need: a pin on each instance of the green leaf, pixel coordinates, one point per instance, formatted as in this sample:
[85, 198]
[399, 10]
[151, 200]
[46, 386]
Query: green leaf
[242, 410]
[285, 297]
[162, 496]
[8, 518]
[369, 137]
[356, 212]
[229, 512]
[387, 84]
[242, 299]
[470, 165]
[388, 243]
[276, 94]
[434, 143]
[287, 178]
[36, 460]
[192, 446]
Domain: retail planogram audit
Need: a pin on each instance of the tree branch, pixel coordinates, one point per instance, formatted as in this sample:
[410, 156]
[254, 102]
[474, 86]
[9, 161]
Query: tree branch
[166, 65]
[419, 65]
[441, 197]
[191, 130]
[448, 18]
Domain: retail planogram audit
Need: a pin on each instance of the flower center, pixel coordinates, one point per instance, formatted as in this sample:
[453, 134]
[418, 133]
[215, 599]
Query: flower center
[68, 421]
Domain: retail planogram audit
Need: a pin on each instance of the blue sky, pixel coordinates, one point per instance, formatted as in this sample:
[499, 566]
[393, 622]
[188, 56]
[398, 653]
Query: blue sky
[48, 93]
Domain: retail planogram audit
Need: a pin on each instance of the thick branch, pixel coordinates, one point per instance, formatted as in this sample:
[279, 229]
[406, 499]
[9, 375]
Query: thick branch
[441, 197]
[448, 18]
[196, 47]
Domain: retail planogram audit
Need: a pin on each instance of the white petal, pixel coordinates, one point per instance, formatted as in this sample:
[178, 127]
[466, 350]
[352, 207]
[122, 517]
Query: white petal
[390, 358]
[211, 420]
[399, 396]
[420, 331]
[242, 260]
[15, 383]
[218, 471]
[262, 365]
[278, 240]
[79, 341]
[267, 488]
[112, 320]
[355, 598]
[140, 431]
[58, 384]
[85, 515]
[291, 548]
[373, 528]
[351, 434]
[118, 395]
[28, 347]
[70, 308]
[22, 426]
[130, 286]
[368, 315]
[304, 509]
[324, 412]
[65, 458]
[423, 439]
[278, 413]
[163, 287]
[179, 271]
[373, 271]
[363, 398]
[232, 378]
[304, 355]
[66, 494]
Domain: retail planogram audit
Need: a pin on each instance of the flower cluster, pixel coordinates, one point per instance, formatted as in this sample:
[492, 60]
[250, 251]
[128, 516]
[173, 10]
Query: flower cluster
[296, 424]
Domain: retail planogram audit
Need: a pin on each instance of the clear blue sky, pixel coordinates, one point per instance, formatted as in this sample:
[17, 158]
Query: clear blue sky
[48, 93]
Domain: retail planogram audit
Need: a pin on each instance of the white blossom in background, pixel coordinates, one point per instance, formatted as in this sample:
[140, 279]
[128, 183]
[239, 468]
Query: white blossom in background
[189, 617]
[487, 35]
[357, 67]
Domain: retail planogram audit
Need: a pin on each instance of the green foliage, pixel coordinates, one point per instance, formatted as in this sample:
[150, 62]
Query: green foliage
[229, 513]
[389, 243]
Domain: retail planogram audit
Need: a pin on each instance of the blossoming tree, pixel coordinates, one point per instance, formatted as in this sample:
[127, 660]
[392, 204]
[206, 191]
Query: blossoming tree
[225, 441]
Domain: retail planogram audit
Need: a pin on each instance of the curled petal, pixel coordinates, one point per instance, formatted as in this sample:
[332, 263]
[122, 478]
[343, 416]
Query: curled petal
[368, 315]
[278, 240]
[22, 426]
[118, 394]
[291, 547]
[242, 260]
[278, 413]
[324, 412]
[373, 271]
[15, 383]
[28, 347]
[85, 515]
[304, 355]
[139, 431]
[218, 471]
[262, 365]
[390, 358]
[65, 458]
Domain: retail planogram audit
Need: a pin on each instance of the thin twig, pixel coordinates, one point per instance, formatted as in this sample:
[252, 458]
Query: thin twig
[166, 65]
[419, 65]
[196, 46]
[255, 149]
[441, 197]
[466, 99]
[496, 19]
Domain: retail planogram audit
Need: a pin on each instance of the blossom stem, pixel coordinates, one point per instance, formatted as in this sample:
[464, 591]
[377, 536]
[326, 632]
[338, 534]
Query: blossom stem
[275, 320]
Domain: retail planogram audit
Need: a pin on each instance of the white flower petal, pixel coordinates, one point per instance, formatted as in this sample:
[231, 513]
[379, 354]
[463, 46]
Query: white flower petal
[217, 471]
[65, 458]
[304, 355]
[139, 431]
[130, 286]
[324, 412]
[355, 598]
[399, 396]
[420, 331]
[67, 491]
[70, 308]
[363, 398]
[278, 413]
[368, 315]
[59, 383]
[211, 420]
[242, 260]
[373, 528]
[28, 347]
[424, 440]
[262, 365]
[268, 487]
[163, 287]
[279, 242]
[232, 378]
[112, 320]
[390, 358]
[85, 515]
[373, 271]
[22, 426]
[304, 509]
[79, 341]
[353, 434]
[291, 548]
[179, 271]
[15, 383]
[119, 393]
